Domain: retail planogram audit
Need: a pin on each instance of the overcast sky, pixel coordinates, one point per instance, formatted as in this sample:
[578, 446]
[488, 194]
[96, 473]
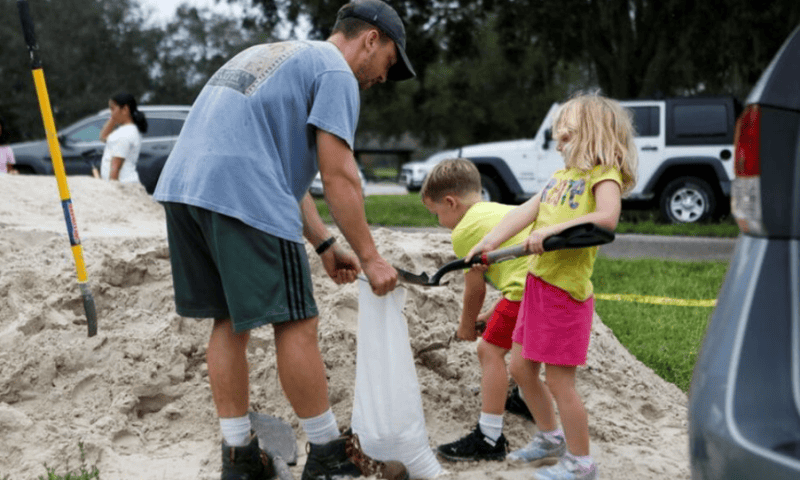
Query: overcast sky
[165, 9]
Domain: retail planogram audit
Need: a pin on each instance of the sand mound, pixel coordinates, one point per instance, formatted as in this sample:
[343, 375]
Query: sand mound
[136, 396]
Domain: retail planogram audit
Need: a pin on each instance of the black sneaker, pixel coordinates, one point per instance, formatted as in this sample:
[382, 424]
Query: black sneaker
[516, 405]
[246, 463]
[474, 446]
[343, 457]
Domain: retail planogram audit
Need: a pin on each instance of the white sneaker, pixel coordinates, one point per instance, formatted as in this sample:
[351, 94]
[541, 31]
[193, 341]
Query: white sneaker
[567, 469]
[540, 450]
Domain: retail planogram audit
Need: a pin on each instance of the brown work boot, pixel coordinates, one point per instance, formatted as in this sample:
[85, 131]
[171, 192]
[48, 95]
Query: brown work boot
[388, 470]
[246, 463]
[343, 457]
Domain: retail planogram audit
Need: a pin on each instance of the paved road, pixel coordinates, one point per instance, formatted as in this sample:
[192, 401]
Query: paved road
[671, 248]
[384, 188]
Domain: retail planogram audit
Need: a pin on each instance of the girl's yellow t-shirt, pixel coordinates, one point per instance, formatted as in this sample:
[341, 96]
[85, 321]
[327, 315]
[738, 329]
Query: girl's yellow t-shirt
[569, 194]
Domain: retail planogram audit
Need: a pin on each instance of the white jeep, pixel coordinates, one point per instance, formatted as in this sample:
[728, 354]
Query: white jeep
[685, 158]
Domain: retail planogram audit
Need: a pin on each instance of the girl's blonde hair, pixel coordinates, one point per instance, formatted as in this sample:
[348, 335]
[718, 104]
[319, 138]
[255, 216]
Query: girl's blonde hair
[594, 130]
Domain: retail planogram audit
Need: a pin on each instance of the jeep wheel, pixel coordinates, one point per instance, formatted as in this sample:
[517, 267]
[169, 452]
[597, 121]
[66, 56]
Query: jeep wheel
[490, 192]
[687, 200]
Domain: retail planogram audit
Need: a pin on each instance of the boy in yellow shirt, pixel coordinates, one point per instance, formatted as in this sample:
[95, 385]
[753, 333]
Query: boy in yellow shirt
[452, 192]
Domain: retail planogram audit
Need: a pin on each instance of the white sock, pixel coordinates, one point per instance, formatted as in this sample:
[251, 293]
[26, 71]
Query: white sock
[491, 425]
[556, 435]
[584, 461]
[235, 431]
[321, 429]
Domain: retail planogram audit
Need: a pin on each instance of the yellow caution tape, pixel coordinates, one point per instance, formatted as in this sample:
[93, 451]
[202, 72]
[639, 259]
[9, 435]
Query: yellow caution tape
[655, 300]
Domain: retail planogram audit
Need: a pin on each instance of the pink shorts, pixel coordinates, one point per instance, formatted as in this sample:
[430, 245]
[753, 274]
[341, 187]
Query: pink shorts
[501, 324]
[553, 328]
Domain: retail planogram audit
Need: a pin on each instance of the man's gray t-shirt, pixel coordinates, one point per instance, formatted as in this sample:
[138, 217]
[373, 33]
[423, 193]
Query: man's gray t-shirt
[248, 147]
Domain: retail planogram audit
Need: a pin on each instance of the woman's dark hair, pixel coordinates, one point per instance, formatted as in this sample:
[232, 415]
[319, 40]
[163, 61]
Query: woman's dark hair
[4, 133]
[122, 99]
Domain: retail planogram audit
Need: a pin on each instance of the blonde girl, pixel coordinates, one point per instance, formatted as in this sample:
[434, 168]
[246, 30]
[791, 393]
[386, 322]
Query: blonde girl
[595, 137]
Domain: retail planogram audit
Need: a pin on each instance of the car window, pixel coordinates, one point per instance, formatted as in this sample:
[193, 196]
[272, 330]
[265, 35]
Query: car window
[700, 121]
[88, 133]
[646, 121]
[163, 127]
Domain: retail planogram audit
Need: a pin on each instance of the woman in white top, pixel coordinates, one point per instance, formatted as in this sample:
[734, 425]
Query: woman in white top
[123, 139]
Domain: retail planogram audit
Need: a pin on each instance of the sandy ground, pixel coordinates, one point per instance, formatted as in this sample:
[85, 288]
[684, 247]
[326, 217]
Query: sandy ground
[136, 395]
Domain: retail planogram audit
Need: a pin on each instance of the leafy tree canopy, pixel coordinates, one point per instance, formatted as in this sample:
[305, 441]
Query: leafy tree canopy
[487, 70]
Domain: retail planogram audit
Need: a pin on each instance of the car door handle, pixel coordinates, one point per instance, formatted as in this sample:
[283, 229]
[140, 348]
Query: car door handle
[649, 148]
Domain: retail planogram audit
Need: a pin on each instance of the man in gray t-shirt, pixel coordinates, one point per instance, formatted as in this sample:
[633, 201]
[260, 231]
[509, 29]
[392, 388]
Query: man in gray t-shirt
[235, 194]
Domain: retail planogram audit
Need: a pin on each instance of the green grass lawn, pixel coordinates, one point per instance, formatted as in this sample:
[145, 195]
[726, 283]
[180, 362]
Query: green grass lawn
[390, 211]
[666, 338]
[408, 211]
[384, 173]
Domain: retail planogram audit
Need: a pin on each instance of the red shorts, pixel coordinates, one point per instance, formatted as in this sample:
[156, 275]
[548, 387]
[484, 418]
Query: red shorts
[501, 324]
[553, 327]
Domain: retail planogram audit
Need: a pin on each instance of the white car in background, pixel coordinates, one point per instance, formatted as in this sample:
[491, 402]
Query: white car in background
[413, 173]
[316, 185]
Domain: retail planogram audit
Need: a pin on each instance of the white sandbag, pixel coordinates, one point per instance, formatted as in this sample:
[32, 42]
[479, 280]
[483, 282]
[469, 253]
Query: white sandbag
[387, 409]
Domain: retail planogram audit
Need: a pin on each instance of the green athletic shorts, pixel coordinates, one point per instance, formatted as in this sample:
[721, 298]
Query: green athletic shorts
[223, 268]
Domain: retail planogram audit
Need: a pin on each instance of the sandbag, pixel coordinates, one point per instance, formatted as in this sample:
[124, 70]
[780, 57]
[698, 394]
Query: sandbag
[387, 409]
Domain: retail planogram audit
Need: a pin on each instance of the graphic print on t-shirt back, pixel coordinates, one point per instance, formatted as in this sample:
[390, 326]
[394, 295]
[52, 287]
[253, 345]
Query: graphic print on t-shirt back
[248, 70]
[559, 190]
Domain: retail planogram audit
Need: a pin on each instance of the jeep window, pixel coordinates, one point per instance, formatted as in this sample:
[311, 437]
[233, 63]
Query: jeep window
[88, 133]
[692, 121]
[646, 121]
[163, 127]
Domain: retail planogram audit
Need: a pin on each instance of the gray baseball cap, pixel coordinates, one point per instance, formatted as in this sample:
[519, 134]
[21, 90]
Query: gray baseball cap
[383, 16]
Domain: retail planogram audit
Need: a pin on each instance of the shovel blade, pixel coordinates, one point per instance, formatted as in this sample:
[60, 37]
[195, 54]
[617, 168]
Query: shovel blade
[417, 279]
[275, 437]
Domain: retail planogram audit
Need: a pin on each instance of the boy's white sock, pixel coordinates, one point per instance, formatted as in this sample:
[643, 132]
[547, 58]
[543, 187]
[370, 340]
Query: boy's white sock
[491, 425]
[235, 431]
[321, 429]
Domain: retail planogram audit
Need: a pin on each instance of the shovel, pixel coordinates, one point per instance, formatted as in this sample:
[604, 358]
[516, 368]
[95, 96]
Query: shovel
[276, 439]
[579, 236]
[58, 165]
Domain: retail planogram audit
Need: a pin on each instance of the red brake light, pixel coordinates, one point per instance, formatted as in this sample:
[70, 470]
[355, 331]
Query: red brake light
[747, 142]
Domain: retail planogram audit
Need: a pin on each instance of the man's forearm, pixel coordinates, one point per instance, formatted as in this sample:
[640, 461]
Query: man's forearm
[346, 205]
[314, 228]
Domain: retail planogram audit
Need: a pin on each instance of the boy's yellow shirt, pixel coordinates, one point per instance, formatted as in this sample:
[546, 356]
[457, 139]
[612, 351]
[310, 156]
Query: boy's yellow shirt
[509, 276]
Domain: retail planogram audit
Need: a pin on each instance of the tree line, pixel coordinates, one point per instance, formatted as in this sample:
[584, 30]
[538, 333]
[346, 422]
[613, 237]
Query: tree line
[487, 69]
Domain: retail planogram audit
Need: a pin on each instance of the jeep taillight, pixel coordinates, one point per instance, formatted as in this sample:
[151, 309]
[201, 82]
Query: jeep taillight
[746, 188]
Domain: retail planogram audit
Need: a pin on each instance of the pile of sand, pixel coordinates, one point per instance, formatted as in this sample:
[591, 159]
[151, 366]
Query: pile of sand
[136, 396]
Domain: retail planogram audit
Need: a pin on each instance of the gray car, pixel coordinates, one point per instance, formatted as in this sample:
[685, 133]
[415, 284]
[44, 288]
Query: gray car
[80, 144]
[744, 409]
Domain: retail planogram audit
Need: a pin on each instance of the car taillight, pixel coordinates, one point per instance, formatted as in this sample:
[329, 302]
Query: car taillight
[746, 188]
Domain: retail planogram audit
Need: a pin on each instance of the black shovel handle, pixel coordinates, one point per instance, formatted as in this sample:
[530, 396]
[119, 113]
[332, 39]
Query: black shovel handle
[29, 33]
[580, 236]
